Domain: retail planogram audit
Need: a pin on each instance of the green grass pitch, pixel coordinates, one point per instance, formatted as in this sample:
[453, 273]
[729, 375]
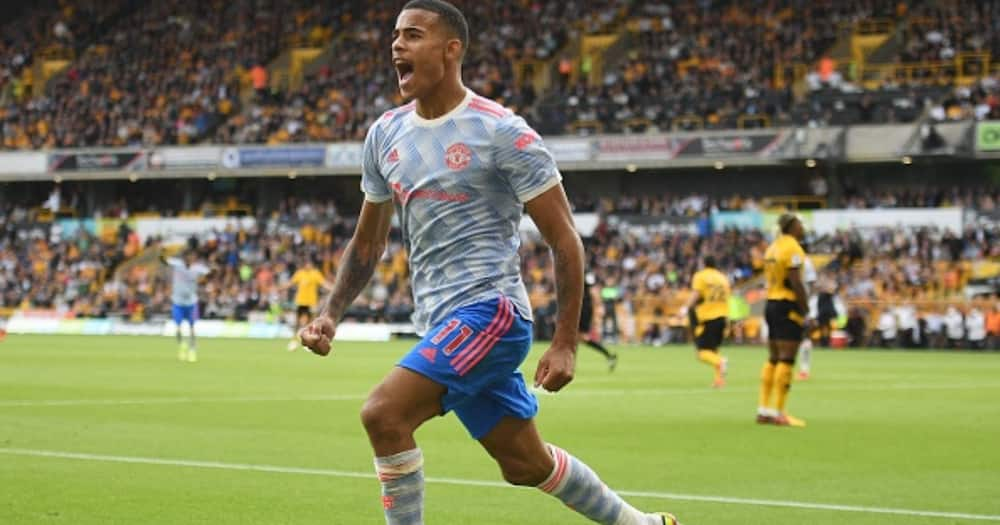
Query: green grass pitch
[107, 430]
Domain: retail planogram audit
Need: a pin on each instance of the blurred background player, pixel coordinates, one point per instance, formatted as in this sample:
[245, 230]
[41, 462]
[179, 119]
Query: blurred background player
[805, 347]
[587, 337]
[708, 313]
[785, 314]
[186, 274]
[307, 281]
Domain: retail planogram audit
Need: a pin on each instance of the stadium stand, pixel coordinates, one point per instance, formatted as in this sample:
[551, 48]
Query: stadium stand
[125, 73]
[342, 95]
[642, 271]
[982, 198]
[167, 73]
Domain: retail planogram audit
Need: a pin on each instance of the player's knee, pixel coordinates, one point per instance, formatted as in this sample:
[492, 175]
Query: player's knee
[381, 420]
[523, 472]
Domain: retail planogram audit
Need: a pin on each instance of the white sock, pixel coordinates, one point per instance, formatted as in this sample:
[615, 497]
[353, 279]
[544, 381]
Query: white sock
[402, 478]
[805, 355]
[576, 485]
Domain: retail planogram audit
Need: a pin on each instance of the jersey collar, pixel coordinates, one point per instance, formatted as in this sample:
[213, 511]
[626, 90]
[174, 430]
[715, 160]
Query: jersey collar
[431, 123]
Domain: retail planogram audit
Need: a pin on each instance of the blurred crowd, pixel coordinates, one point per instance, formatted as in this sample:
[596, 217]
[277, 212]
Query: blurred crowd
[640, 272]
[346, 91]
[182, 71]
[695, 64]
[162, 73]
[55, 29]
[41, 268]
[940, 30]
[984, 199]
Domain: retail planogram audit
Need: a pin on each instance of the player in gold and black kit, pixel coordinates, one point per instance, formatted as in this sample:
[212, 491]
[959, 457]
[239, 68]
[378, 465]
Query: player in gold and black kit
[785, 314]
[708, 313]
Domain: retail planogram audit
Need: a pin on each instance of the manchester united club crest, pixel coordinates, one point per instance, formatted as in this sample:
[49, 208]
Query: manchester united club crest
[458, 156]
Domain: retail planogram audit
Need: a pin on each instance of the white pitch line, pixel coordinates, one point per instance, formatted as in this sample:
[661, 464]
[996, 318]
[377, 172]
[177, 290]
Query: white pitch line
[567, 393]
[493, 484]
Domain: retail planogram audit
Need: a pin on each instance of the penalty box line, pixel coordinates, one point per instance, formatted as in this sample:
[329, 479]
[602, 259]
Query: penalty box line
[484, 483]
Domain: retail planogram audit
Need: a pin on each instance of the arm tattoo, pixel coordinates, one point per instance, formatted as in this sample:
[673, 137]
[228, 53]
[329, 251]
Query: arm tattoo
[569, 288]
[357, 267]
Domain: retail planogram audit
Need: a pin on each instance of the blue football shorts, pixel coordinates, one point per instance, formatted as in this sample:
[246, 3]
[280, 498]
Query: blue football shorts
[187, 313]
[475, 353]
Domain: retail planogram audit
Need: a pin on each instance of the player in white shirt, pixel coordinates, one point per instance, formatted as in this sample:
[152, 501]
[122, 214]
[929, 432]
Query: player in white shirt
[186, 273]
[954, 327]
[887, 328]
[908, 326]
[934, 329]
[975, 328]
[459, 170]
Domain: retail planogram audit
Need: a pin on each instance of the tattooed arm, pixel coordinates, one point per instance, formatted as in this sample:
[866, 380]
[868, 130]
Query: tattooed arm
[552, 215]
[356, 268]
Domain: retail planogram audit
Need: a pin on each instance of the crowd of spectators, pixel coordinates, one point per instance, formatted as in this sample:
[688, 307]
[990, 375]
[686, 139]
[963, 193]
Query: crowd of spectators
[161, 73]
[340, 97]
[980, 101]
[938, 31]
[47, 28]
[174, 72]
[40, 267]
[984, 199]
[81, 272]
[641, 272]
[690, 205]
[910, 325]
[710, 64]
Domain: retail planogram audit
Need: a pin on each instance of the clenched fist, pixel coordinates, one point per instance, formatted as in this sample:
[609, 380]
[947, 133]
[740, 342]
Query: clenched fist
[555, 369]
[317, 336]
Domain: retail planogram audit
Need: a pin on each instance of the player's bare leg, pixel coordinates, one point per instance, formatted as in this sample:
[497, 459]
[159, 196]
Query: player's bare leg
[526, 460]
[596, 344]
[394, 410]
[192, 351]
[182, 349]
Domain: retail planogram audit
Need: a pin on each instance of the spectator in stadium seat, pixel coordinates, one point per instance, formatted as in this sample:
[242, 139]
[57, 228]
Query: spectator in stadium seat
[909, 333]
[993, 324]
[934, 329]
[975, 328]
[885, 335]
[856, 328]
[954, 324]
[258, 77]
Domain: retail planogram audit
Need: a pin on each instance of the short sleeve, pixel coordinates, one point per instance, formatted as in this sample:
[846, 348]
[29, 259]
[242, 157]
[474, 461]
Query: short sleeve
[697, 283]
[175, 262]
[794, 256]
[373, 184]
[522, 158]
[201, 269]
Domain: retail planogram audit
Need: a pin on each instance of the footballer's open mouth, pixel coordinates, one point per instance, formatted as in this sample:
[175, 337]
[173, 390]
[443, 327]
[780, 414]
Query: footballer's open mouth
[404, 70]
